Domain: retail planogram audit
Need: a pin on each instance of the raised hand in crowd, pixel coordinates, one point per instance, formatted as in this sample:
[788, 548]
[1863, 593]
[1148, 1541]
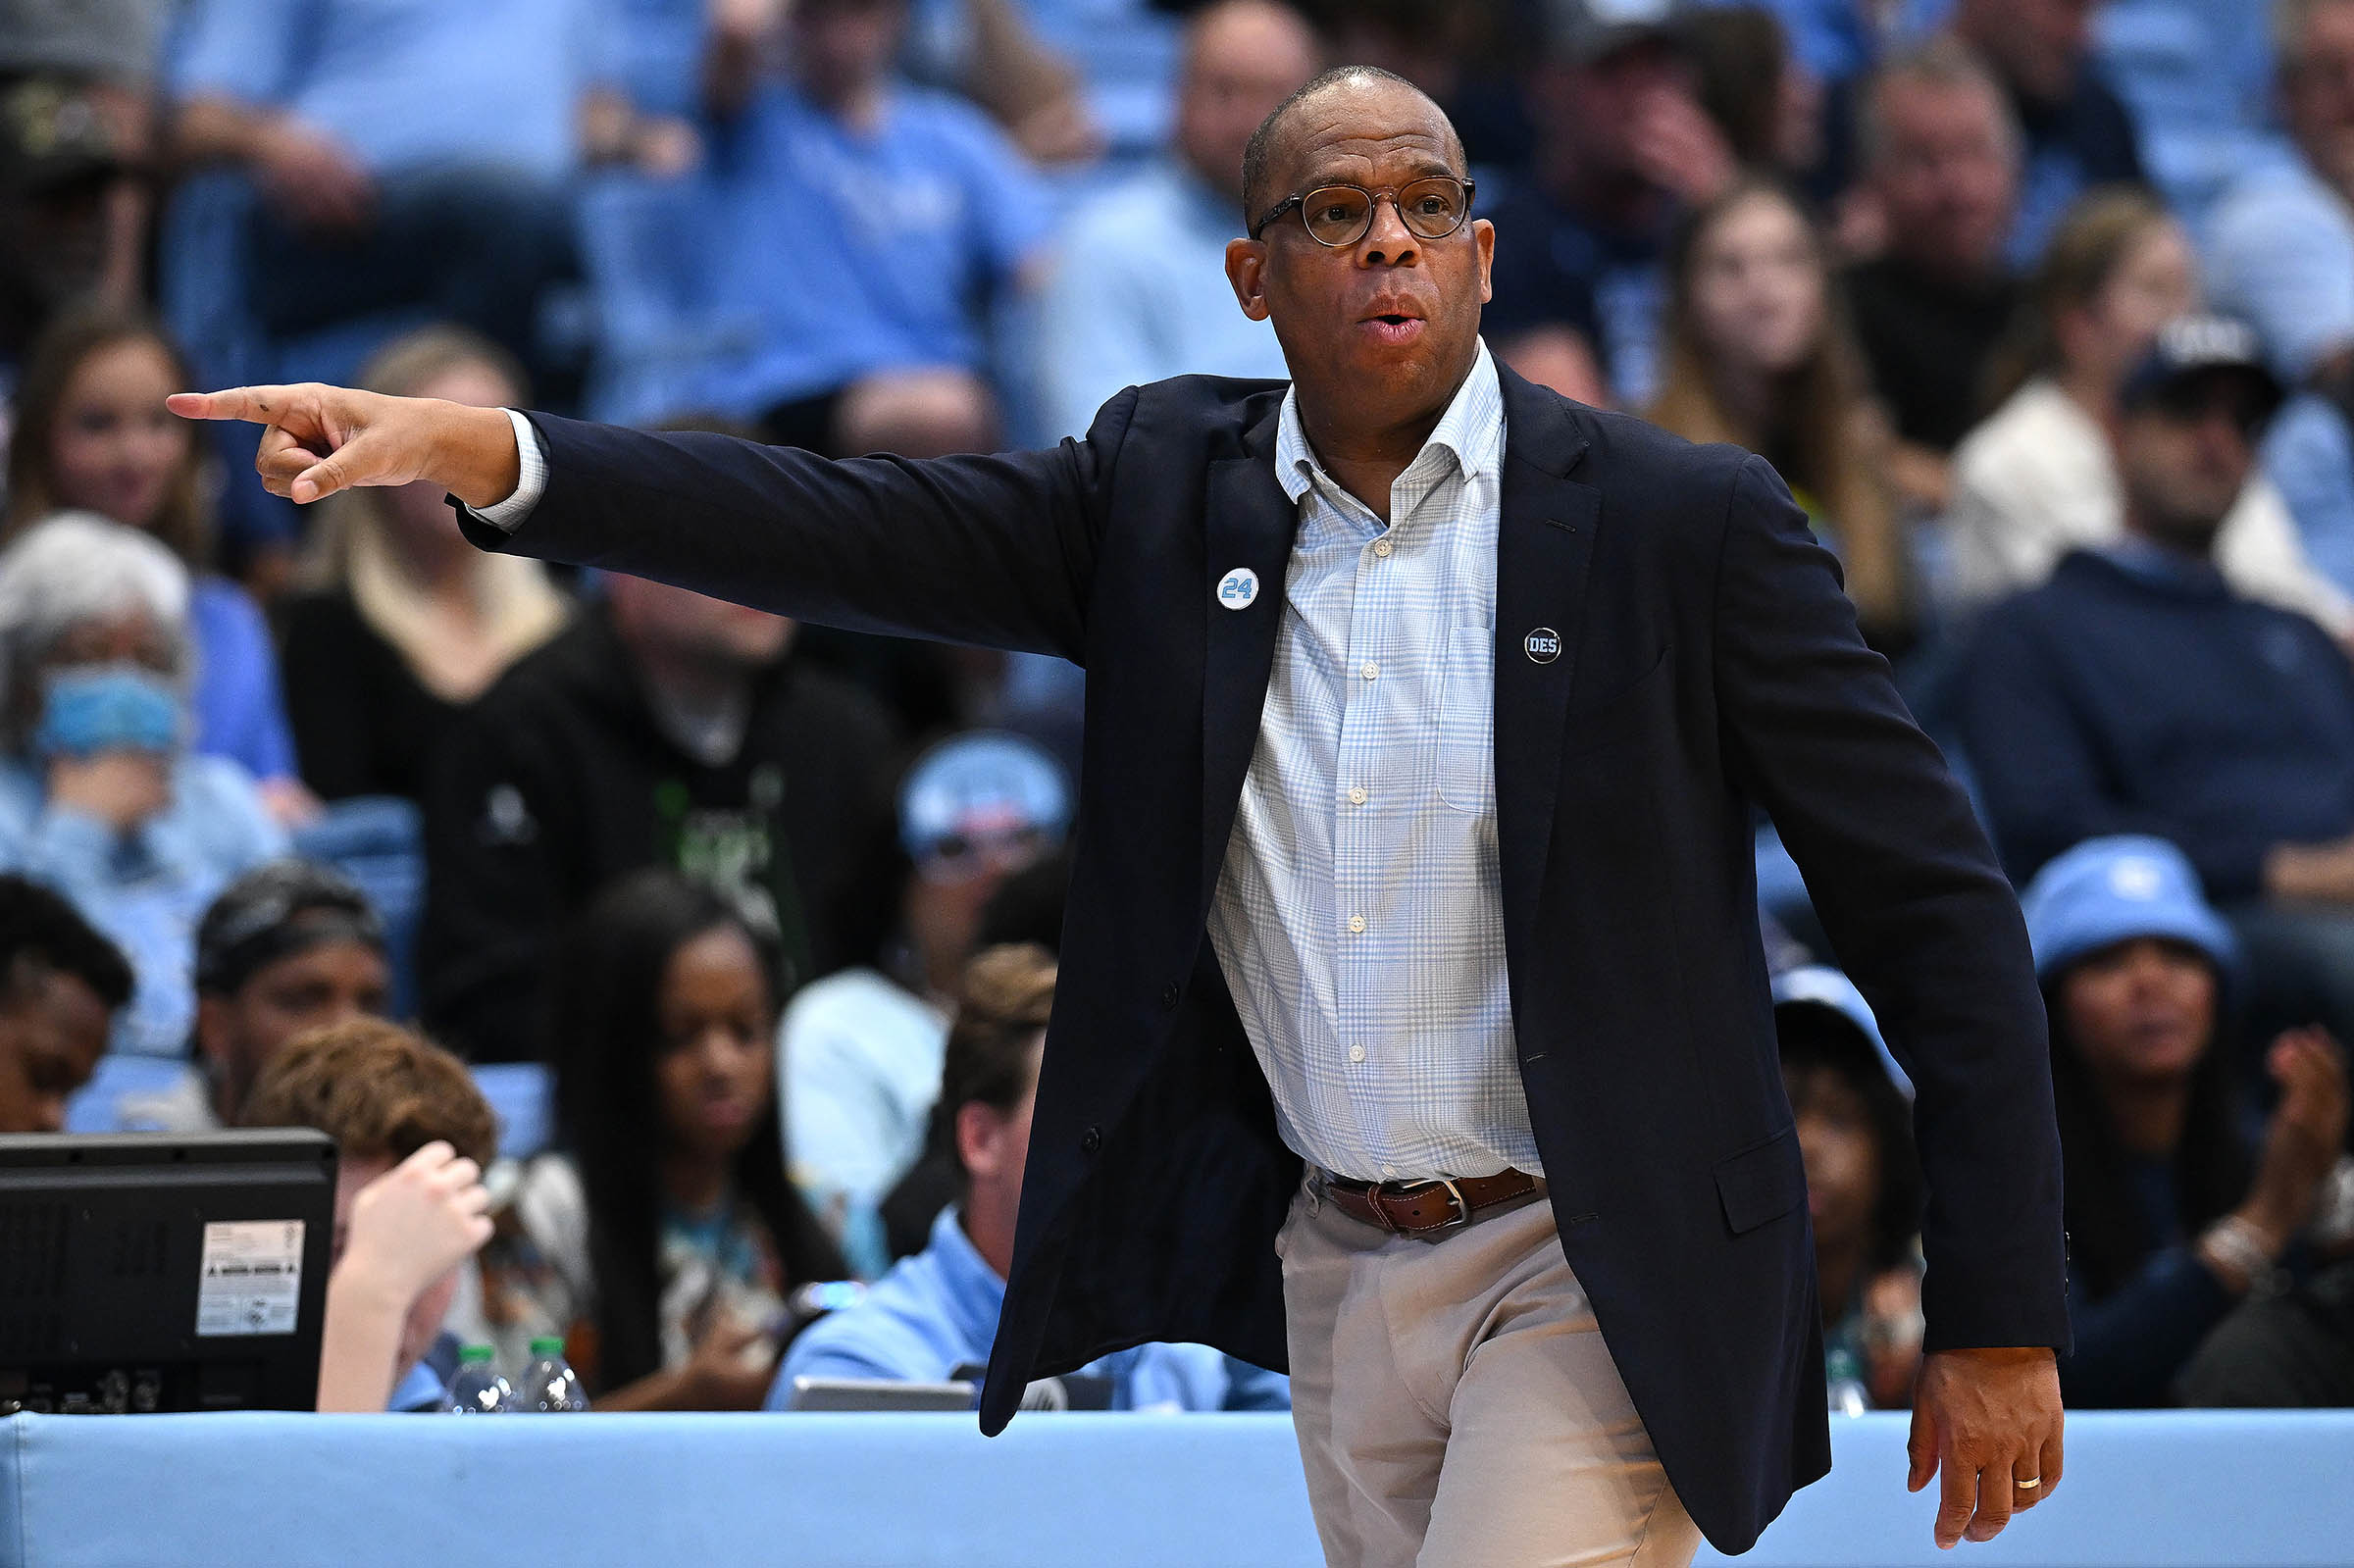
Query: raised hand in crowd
[2317, 873]
[409, 1228]
[1681, 148]
[120, 788]
[731, 1369]
[2302, 1141]
[310, 177]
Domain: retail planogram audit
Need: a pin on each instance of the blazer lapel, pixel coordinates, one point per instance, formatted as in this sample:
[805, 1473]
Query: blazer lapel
[1544, 542]
[1250, 523]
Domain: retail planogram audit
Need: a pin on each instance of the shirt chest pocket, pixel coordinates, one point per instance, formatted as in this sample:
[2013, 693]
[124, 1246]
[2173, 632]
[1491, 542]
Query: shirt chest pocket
[1467, 727]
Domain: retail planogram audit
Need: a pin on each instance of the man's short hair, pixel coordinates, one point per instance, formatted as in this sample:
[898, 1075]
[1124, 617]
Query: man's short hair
[1943, 61]
[40, 933]
[1009, 993]
[1260, 149]
[379, 1091]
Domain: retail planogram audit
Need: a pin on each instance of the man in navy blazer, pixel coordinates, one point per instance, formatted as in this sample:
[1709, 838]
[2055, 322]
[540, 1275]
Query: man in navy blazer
[1670, 650]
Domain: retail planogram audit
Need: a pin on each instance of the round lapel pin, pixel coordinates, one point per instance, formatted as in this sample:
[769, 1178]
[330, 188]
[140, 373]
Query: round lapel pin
[1237, 588]
[1543, 645]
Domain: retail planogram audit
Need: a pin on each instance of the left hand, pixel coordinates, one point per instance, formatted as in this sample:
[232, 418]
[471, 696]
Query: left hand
[1989, 1419]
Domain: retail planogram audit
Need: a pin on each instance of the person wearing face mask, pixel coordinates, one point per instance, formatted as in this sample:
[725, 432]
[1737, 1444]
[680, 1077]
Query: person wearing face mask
[100, 796]
[2037, 480]
[2172, 1214]
[1760, 355]
[662, 1242]
[89, 438]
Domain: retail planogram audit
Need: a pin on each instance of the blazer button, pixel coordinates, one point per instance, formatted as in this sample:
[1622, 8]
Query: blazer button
[1168, 998]
[1091, 1141]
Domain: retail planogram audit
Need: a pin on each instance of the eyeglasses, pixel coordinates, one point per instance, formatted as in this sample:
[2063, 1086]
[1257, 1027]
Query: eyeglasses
[1339, 216]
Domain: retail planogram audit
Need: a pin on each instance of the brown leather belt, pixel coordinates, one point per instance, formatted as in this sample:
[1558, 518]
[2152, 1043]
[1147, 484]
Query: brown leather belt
[1418, 1208]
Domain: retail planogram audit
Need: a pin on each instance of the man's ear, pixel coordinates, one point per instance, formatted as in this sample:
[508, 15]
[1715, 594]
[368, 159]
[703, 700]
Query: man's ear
[212, 1028]
[1483, 236]
[1247, 271]
[980, 1139]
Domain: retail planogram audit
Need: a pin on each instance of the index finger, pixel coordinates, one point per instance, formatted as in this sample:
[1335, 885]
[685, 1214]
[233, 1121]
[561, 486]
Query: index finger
[260, 404]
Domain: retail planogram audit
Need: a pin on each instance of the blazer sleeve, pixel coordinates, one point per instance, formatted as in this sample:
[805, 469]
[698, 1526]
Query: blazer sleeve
[995, 551]
[1913, 901]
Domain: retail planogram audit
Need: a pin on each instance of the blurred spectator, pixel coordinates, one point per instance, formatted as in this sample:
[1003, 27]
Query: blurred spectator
[2135, 693]
[935, 1313]
[860, 1051]
[1468, 55]
[1939, 157]
[1623, 147]
[412, 1135]
[1759, 92]
[73, 213]
[1758, 354]
[863, 226]
[2078, 132]
[407, 624]
[1863, 1194]
[2037, 480]
[1053, 106]
[287, 948]
[93, 434]
[662, 728]
[61, 983]
[99, 795]
[1138, 290]
[663, 1246]
[2168, 1219]
[415, 155]
[2281, 238]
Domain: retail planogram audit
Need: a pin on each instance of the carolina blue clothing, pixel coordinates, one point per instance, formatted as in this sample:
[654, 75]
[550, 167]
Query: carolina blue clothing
[418, 1390]
[1138, 293]
[2279, 253]
[2309, 456]
[408, 84]
[653, 54]
[239, 714]
[938, 1311]
[146, 888]
[850, 251]
[2135, 693]
[2197, 77]
[1125, 50]
[2084, 141]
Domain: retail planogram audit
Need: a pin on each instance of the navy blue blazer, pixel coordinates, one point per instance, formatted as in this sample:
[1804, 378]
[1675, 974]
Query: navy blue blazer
[1709, 664]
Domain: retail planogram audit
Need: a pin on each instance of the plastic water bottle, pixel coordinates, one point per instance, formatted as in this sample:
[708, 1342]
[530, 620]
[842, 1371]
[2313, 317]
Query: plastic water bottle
[550, 1384]
[478, 1389]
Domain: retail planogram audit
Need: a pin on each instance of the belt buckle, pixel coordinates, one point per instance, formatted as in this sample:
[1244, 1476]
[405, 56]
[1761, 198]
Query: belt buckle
[1461, 1218]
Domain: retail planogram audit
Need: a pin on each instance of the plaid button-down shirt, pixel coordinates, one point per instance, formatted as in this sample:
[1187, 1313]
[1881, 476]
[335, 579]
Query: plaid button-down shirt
[1359, 915]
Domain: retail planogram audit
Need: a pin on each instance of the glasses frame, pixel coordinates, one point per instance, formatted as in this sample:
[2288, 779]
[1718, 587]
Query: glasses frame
[1373, 201]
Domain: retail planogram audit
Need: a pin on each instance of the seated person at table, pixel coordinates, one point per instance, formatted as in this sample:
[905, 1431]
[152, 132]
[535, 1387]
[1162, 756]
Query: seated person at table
[937, 1312]
[412, 1135]
[100, 796]
[2171, 1217]
[289, 947]
[1854, 1133]
[2137, 692]
[60, 985]
[663, 1244]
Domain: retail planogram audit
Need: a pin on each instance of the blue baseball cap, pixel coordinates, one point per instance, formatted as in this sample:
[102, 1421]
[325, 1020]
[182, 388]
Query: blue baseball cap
[980, 785]
[1821, 985]
[2110, 890]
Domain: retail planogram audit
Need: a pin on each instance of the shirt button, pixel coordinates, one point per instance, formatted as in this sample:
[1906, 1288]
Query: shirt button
[1381, 547]
[1357, 796]
[1091, 1141]
[1356, 1053]
[1356, 923]
[1168, 998]
[1371, 669]
[1389, 1170]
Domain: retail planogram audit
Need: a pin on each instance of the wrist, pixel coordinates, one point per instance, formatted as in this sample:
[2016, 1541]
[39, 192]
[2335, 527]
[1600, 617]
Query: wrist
[475, 454]
[371, 1285]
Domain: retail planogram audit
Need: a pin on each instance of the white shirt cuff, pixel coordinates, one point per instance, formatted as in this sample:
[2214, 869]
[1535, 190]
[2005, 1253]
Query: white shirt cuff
[507, 516]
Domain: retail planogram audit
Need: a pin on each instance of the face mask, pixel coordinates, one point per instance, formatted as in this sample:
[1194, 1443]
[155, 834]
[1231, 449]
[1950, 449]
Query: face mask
[90, 708]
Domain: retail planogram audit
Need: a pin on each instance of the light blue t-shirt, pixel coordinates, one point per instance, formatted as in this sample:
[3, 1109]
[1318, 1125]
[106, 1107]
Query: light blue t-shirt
[419, 1391]
[845, 252]
[2279, 253]
[239, 712]
[145, 889]
[2309, 456]
[938, 1311]
[409, 84]
[1138, 292]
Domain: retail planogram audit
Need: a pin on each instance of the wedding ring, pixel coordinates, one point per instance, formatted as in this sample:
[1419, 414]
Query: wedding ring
[2028, 1484]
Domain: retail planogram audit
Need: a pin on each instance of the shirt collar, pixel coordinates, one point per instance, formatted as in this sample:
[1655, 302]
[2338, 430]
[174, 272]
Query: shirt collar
[2149, 562]
[1472, 431]
[975, 1294]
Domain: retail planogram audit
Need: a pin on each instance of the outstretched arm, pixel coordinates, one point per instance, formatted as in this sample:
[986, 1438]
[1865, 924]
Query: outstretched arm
[995, 551]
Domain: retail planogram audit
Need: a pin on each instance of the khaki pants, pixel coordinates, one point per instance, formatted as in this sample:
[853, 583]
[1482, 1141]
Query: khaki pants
[1455, 1405]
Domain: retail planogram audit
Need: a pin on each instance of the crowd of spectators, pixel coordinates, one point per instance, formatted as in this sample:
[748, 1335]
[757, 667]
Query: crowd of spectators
[2043, 308]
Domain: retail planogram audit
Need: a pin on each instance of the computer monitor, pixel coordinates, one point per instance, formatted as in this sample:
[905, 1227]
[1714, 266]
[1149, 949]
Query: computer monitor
[152, 1271]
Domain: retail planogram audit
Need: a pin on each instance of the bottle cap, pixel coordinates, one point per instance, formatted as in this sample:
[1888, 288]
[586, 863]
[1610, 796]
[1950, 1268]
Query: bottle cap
[477, 1352]
[547, 1344]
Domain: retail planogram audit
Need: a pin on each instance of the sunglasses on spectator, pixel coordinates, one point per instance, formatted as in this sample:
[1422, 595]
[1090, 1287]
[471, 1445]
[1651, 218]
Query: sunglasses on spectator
[1339, 216]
